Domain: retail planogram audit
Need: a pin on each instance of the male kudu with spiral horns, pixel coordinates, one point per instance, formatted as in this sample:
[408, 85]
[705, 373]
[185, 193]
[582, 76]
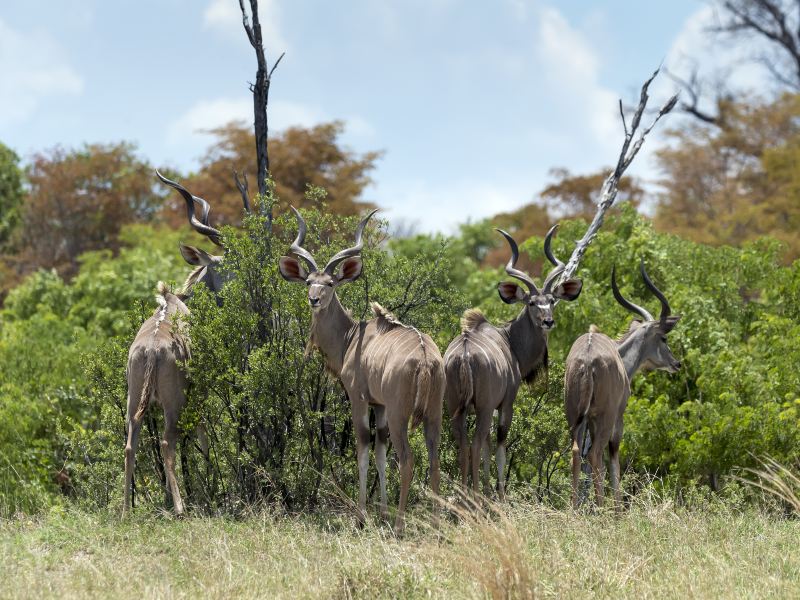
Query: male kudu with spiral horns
[486, 364]
[161, 347]
[597, 380]
[381, 363]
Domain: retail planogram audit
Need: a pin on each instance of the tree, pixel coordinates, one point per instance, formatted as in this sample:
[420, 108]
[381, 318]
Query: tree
[734, 182]
[11, 193]
[300, 158]
[79, 200]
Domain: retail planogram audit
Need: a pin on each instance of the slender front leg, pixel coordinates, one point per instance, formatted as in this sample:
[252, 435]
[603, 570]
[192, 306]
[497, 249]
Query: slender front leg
[613, 451]
[360, 412]
[576, 469]
[381, 444]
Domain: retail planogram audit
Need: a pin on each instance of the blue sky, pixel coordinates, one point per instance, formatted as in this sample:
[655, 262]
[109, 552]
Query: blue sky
[473, 102]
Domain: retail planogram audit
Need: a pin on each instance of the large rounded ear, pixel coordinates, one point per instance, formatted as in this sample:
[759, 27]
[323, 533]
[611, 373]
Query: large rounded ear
[195, 256]
[510, 292]
[350, 270]
[291, 270]
[568, 290]
[670, 323]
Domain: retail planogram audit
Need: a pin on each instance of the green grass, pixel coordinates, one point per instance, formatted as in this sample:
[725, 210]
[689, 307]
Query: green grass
[651, 551]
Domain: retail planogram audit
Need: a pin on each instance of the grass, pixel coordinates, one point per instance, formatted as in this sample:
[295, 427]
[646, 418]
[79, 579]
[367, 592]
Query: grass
[515, 551]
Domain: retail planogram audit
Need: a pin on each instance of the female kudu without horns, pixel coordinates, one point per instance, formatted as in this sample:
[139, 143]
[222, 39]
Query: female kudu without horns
[381, 363]
[161, 347]
[486, 364]
[597, 380]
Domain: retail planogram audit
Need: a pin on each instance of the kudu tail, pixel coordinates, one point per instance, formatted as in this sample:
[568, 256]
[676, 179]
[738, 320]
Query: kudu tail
[584, 392]
[465, 386]
[149, 383]
[430, 391]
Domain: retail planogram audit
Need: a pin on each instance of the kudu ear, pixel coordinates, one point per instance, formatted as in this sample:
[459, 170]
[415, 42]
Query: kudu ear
[351, 270]
[510, 292]
[195, 256]
[670, 323]
[568, 290]
[292, 270]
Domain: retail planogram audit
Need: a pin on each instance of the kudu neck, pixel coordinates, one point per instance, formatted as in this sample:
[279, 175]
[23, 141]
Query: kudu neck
[330, 332]
[528, 343]
[631, 350]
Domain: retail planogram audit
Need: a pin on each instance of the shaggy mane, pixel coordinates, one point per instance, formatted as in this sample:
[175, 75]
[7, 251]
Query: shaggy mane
[631, 328]
[386, 319]
[471, 319]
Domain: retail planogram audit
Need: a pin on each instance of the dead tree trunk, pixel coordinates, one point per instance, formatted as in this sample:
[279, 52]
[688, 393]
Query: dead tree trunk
[260, 90]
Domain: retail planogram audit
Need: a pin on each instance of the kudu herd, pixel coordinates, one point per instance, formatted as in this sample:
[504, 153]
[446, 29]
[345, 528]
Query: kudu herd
[399, 372]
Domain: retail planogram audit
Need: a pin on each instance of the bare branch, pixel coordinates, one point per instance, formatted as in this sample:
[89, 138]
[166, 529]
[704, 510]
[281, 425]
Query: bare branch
[243, 189]
[260, 90]
[608, 192]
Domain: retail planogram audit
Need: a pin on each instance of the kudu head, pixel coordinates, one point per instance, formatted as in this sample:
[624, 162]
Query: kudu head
[655, 353]
[208, 265]
[322, 284]
[540, 303]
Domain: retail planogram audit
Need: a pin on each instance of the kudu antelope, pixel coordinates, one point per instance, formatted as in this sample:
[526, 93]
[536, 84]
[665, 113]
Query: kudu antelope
[597, 380]
[161, 347]
[486, 364]
[381, 363]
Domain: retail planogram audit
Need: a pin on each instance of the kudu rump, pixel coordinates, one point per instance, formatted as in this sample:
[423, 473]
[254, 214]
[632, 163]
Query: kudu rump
[486, 364]
[597, 380]
[381, 363]
[156, 357]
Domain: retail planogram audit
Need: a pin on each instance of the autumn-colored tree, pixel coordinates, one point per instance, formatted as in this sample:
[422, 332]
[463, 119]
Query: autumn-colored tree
[298, 157]
[78, 201]
[10, 192]
[733, 182]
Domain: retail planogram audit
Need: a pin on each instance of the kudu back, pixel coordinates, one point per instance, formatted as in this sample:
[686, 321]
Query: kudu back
[381, 363]
[486, 364]
[597, 378]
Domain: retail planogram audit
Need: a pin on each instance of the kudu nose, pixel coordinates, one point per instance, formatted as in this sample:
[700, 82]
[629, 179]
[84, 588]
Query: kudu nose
[549, 323]
[313, 301]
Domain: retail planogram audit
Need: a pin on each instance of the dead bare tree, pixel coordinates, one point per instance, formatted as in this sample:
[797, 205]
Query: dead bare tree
[260, 90]
[608, 193]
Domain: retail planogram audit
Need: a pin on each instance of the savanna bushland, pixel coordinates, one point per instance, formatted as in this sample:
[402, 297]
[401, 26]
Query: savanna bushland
[709, 455]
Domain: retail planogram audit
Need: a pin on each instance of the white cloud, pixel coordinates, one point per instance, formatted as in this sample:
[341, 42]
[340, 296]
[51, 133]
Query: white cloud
[32, 67]
[436, 206]
[226, 16]
[572, 67]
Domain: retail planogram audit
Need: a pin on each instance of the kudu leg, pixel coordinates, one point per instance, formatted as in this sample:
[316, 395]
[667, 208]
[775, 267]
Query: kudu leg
[134, 427]
[483, 423]
[459, 425]
[503, 427]
[432, 425]
[168, 448]
[576, 471]
[405, 459]
[613, 452]
[361, 431]
[598, 471]
[381, 444]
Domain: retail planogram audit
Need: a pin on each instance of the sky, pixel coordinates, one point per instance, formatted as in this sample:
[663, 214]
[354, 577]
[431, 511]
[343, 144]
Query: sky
[472, 102]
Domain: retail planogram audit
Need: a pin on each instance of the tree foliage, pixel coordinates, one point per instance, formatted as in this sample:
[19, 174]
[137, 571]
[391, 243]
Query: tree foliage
[734, 183]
